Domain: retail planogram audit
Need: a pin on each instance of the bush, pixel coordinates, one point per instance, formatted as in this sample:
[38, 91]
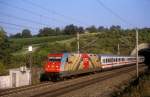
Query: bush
[2, 69]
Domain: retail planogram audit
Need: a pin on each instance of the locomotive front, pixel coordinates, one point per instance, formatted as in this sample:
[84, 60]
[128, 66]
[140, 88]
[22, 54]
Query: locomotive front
[52, 67]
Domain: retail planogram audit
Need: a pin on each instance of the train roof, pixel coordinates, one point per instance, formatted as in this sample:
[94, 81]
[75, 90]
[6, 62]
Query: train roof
[110, 55]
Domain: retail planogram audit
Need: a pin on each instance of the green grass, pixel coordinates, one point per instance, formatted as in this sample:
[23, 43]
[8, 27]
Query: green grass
[39, 40]
[21, 44]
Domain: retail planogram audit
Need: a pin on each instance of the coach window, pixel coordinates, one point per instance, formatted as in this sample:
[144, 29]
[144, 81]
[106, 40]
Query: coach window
[103, 60]
[122, 59]
[113, 59]
[106, 60]
[110, 60]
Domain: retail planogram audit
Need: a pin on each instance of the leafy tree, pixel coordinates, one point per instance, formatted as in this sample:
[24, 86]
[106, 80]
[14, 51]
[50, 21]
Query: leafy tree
[4, 48]
[46, 32]
[91, 29]
[115, 28]
[80, 29]
[58, 31]
[102, 29]
[2, 36]
[70, 29]
[26, 33]
[17, 35]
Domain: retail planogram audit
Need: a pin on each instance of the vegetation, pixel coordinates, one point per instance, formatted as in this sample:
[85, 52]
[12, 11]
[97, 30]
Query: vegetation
[4, 47]
[39, 40]
[26, 33]
[138, 88]
[99, 40]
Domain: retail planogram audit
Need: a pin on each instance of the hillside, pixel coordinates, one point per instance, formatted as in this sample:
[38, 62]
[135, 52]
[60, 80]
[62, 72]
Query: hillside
[100, 43]
[21, 44]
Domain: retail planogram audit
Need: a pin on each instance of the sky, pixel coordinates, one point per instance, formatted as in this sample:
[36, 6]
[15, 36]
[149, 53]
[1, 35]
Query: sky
[16, 15]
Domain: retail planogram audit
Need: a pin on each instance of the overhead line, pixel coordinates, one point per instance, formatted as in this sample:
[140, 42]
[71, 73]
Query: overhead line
[112, 12]
[18, 25]
[31, 12]
[23, 19]
[53, 12]
[15, 28]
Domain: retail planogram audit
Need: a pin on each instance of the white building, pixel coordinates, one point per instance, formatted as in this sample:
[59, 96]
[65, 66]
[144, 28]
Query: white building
[16, 78]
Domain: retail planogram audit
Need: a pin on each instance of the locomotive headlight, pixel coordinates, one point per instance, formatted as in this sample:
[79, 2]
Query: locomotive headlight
[56, 66]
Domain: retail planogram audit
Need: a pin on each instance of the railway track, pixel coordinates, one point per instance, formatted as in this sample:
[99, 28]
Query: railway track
[24, 88]
[60, 88]
[72, 87]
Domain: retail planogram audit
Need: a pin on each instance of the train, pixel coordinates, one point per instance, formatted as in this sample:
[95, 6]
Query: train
[59, 66]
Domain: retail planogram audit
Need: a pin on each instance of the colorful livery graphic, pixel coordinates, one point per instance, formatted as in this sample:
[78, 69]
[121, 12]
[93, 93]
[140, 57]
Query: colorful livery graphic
[70, 64]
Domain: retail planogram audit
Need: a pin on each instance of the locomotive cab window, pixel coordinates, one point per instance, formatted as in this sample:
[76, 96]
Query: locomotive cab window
[54, 59]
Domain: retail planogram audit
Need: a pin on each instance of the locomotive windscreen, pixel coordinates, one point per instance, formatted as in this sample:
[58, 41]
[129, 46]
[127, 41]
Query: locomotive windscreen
[54, 59]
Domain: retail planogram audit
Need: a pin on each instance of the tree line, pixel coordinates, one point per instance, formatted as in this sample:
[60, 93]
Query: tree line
[67, 30]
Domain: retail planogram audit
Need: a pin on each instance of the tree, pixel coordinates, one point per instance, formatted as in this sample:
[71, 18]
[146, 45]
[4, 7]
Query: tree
[46, 32]
[17, 35]
[26, 33]
[115, 28]
[91, 29]
[4, 48]
[58, 31]
[70, 29]
[80, 29]
[2, 36]
[102, 29]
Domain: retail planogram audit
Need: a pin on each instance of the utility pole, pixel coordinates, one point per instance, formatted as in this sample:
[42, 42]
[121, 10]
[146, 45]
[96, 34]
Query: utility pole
[118, 49]
[78, 45]
[30, 62]
[137, 48]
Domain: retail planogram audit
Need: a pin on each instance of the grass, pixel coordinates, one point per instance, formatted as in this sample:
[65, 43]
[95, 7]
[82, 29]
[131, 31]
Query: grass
[36, 42]
[39, 40]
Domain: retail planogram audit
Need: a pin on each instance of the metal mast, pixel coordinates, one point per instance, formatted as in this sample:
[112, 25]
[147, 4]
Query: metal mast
[118, 49]
[137, 48]
[78, 44]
